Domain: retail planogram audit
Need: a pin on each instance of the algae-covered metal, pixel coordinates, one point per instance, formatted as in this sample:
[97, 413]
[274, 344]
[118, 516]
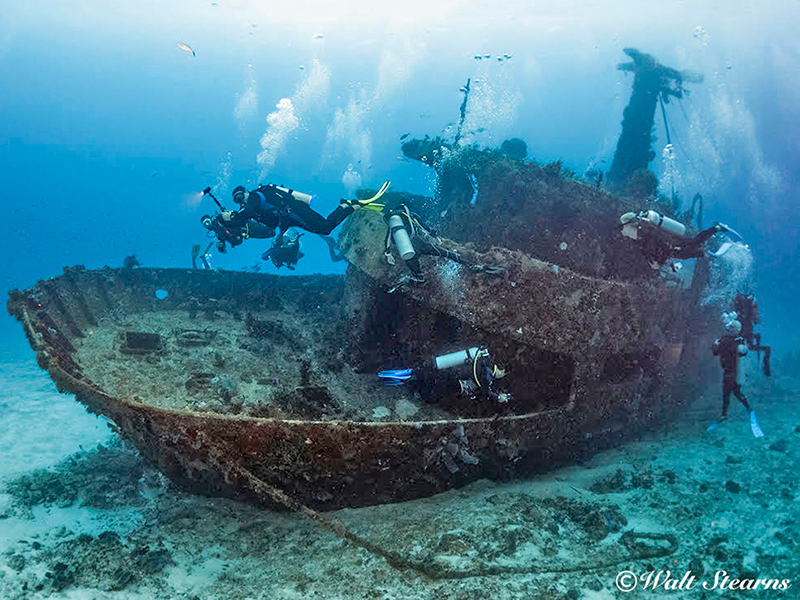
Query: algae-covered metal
[333, 463]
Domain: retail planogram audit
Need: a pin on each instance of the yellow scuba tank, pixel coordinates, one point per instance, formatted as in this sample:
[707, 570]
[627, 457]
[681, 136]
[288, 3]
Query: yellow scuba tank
[669, 225]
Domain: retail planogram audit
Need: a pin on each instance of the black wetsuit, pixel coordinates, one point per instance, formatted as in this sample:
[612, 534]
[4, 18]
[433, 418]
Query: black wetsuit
[278, 209]
[423, 241]
[435, 384]
[660, 247]
[285, 254]
[236, 231]
[727, 348]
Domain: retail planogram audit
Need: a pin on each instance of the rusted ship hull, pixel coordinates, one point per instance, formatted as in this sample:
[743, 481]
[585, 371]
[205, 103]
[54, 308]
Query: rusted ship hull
[326, 463]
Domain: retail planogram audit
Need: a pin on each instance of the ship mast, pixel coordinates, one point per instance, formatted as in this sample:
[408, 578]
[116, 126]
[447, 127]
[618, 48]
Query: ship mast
[651, 80]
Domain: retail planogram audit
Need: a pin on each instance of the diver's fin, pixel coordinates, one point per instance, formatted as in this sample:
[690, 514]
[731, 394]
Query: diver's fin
[754, 425]
[368, 201]
[722, 249]
[396, 376]
[731, 233]
[715, 425]
[397, 373]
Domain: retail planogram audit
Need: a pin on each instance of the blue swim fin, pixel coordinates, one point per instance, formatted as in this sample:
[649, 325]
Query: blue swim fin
[396, 376]
[754, 425]
[722, 249]
[731, 233]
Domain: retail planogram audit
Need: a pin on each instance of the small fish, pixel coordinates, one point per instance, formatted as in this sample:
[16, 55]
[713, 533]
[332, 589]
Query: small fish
[153, 174]
[478, 57]
[186, 48]
[317, 36]
[404, 136]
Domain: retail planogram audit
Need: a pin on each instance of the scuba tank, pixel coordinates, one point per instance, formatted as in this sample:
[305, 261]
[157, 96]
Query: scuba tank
[661, 222]
[455, 359]
[397, 230]
[296, 195]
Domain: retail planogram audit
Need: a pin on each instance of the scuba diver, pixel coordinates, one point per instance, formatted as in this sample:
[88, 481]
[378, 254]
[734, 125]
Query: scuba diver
[333, 249]
[269, 208]
[746, 307]
[203, 256]
[411, 238]
[234, 233]
[470, 372]
[730, 348]
[662, 239]
[280, 208]
[285, 252]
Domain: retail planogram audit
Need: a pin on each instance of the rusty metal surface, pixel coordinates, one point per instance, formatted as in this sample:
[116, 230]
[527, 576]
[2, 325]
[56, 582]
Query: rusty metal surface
[329, 464]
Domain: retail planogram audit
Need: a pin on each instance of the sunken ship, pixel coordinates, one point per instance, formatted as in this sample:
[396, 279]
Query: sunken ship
[263, 387]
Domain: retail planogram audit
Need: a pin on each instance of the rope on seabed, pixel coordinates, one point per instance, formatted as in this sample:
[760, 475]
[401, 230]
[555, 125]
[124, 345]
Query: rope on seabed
[638, 551]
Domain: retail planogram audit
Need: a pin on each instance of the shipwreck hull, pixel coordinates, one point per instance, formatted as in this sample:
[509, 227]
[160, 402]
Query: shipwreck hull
[333, 463]
[627, 344]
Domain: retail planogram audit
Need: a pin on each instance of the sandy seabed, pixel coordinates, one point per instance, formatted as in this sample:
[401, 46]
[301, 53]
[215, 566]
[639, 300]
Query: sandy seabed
[82, 518]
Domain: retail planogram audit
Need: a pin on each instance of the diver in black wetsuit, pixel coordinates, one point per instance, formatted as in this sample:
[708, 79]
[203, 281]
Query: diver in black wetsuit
[470, 372]
[281, 208]
[270, 208]
[235, 233]
[411, 238]
[746, 308]
[285, 252]
[661, 239]
[333, 249]
[729, 348]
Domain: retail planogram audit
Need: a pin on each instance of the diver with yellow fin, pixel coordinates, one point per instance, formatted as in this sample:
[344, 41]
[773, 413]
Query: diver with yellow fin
[280, 208]
[270, 210]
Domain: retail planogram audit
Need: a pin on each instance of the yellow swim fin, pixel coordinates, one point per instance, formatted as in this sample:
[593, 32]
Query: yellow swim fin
[381, 192]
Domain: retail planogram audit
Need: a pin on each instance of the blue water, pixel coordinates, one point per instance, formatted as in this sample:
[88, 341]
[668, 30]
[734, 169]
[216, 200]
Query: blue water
[108, 130]
[107, 127]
